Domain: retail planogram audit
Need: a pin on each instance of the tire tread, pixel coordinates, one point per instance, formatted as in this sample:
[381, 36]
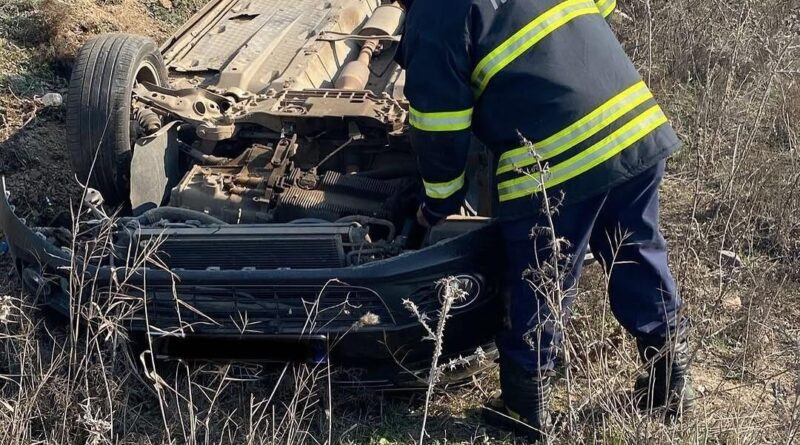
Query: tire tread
[98, 109]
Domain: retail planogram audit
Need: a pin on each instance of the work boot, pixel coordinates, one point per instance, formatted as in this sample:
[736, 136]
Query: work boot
[665, 383]
[523, 404]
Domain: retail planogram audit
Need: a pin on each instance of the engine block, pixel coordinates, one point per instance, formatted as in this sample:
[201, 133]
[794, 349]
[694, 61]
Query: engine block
[263, 185]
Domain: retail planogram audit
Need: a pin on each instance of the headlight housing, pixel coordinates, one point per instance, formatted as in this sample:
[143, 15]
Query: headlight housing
[469, 288]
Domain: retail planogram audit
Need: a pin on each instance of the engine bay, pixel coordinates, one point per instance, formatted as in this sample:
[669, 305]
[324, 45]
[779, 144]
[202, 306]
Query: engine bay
[354, 183]
[271, 184]
[288, 117]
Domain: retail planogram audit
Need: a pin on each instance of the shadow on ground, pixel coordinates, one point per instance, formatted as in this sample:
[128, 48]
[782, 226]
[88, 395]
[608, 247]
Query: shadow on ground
[36, 168]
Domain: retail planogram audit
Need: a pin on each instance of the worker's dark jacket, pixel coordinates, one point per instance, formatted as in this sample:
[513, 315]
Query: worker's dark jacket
[550, 71]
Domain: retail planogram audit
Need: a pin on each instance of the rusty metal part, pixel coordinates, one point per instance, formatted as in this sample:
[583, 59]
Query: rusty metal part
[216, 117]
[355, 74]
[333, 36]
[320, 61]
[262, 33]
[215, 132]
[194, 105]
[239, 192]
[297, 202]
[384, 24]
[211, 190]
[312, 111]
[206, 159]
[209, 112]
[386, 20]
[264, 184]
[148, 119]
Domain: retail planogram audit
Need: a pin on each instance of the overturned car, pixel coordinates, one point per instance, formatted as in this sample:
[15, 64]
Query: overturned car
[260, 160]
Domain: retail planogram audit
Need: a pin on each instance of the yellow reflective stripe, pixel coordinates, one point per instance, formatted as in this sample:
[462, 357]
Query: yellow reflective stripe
[583, 129]
[606, 7]
[526, 38]
[443, 190]
[441, 121]
[624, 137]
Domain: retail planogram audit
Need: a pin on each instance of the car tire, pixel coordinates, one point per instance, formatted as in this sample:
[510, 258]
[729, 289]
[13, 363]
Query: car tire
[99, 128]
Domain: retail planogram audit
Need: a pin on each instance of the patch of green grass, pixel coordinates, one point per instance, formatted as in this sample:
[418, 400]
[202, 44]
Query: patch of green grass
[24, 73]
[22, 22]
[174, 17]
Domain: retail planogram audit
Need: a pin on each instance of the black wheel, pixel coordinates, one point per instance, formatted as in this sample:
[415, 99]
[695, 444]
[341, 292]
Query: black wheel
[100, 133]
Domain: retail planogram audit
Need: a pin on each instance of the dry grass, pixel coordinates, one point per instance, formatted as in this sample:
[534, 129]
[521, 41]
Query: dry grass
[728, 74]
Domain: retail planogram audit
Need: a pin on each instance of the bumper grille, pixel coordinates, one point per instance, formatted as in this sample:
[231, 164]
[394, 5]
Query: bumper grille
[265, 253]
[274, 309]
[253, 247]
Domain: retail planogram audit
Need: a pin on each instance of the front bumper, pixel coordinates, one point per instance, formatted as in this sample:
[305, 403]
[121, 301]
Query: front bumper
[353, 316]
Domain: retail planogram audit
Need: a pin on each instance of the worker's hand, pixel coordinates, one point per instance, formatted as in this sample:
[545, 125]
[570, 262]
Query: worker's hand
[421, 220]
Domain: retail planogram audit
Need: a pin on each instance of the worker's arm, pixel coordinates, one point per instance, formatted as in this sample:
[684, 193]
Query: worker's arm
[438, 65]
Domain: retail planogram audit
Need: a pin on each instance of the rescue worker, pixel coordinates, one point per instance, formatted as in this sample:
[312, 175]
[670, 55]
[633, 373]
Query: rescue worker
[553, 72]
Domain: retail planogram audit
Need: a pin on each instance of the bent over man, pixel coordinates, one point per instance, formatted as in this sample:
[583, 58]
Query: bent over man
[553, 72]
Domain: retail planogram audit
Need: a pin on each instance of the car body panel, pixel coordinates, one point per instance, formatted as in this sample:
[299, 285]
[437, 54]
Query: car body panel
[254, 45]
[387, 350]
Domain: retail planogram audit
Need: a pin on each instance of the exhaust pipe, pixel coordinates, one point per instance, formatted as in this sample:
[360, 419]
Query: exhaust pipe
[386, 21]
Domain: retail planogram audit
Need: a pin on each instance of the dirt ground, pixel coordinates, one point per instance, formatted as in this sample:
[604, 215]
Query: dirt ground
[728, 75]
[38, 39]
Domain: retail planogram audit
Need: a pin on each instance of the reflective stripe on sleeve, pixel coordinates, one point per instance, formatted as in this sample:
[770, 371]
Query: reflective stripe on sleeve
[443, 190]
[606, 7]
[583, 129]
[441, 121]
[624, 137]
[527, 37]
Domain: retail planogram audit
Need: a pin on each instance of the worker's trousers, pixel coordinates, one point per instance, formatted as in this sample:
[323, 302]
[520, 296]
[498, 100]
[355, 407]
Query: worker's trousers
[621, 229]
